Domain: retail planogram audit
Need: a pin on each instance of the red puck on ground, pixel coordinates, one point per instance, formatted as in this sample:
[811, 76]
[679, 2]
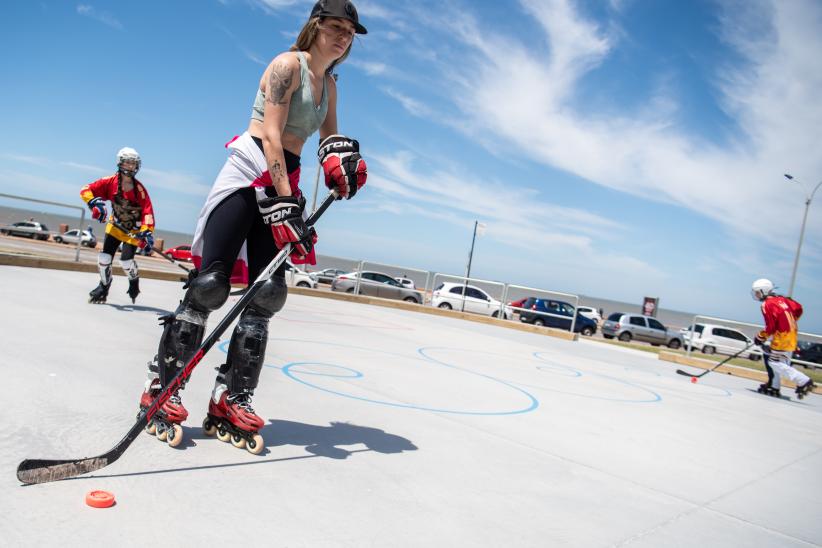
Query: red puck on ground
[99, 499]
[693, 379]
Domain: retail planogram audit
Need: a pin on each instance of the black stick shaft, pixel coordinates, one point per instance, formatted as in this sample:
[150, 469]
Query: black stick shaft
[723, 362]
[163, 255]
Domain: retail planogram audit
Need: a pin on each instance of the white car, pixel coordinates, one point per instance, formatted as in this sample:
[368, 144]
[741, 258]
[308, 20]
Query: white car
[298, 278]
[406, 282]
[713, 339]
[448, 295]
[590, 312]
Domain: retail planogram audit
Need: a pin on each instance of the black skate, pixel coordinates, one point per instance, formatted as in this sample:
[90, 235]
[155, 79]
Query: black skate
[133, 289]
[801, 391]
[99, 293]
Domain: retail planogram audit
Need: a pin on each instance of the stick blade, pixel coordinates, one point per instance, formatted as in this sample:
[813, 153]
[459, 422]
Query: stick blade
[681, 372]
[42, 470]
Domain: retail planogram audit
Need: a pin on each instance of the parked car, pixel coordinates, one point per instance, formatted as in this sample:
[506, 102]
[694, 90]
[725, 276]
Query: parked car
[27, 229]
[376, 284]
[557, 314]
[590, 312]
[518, 303]
[808, 352]
[712, 339]
[71, 236]
[627, 327]
[326, 275]
[406, 282]
[179, 252]
[449, 295]
[296, 277]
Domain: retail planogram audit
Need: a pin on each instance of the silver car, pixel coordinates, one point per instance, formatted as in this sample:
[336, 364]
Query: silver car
[27, 229]
[376, 284]
[628, 327]
[70, 237]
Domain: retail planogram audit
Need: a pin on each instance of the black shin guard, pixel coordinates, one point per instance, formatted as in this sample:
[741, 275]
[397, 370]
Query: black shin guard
[184, 330]
[246, 351]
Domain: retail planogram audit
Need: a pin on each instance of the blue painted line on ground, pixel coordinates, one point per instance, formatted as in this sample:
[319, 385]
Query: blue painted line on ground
[290, 371]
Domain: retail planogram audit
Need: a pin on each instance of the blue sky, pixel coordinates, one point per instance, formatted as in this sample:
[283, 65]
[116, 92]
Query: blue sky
[616, 148]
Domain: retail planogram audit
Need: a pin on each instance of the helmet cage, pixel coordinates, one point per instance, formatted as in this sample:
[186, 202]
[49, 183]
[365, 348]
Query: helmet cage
[125, 155]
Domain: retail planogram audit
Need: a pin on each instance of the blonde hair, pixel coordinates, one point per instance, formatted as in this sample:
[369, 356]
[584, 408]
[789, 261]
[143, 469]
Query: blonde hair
[307, 36]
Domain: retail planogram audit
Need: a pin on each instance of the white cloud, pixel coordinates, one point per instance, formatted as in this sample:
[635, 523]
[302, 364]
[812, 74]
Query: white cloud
[86, 167]
[175, 181]
[413, 106]
[369, 67]
[508, 89]
[101, 16]
[254, 57]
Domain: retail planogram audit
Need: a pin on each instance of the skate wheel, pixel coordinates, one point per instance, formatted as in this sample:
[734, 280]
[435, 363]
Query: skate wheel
[223, 435]
[238, 441]
[151, 428]
[162, 433]
[209, 429]
[175, 435]
[255, 445]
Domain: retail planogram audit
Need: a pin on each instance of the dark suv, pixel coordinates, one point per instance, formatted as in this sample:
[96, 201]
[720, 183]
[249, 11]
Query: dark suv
[808, 352]
[555, 314]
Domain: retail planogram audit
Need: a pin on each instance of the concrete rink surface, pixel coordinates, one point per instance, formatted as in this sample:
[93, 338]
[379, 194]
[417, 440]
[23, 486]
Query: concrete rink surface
[387, 427]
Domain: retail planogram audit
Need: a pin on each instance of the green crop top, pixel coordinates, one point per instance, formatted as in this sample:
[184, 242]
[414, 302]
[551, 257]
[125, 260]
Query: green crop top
[304, 118]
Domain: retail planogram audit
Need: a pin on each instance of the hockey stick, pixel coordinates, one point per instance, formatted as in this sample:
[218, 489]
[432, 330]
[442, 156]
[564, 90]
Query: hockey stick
[160, 253]
[723, 362]
[44, 470]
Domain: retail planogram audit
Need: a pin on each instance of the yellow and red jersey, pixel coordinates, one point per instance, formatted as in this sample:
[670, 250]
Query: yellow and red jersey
[781, 314]
[132, 209]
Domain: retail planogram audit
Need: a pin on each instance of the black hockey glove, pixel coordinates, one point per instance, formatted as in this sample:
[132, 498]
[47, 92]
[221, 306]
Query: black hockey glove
[284, 214]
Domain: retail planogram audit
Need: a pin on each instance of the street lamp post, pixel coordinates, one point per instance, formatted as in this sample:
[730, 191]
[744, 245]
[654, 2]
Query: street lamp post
[808, 200]
[479, 229]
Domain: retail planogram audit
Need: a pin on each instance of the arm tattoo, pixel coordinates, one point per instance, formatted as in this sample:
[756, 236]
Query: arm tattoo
[279, 81]
[277, 170]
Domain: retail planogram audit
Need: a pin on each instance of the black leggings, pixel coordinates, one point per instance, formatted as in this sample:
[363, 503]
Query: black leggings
[110, 245]
[236, 220]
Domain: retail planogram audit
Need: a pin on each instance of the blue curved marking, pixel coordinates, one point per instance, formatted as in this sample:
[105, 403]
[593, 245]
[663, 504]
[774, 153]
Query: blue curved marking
[287, 371]
[290, 371]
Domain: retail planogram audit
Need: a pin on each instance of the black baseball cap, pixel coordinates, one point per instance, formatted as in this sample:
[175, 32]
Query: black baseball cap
[342, 9]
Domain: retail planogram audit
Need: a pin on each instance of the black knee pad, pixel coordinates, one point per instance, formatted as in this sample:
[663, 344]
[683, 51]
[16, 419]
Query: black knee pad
[208, 291]
[270, 299]
[246, 352]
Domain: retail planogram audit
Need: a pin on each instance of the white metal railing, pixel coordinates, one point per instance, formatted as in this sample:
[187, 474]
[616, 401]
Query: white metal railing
[526, 289]
[394, 270]
[498, 310]
[82, 216]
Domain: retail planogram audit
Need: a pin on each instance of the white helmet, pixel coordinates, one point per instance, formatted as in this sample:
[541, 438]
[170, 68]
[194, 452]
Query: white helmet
[128, 153]
[761, 288]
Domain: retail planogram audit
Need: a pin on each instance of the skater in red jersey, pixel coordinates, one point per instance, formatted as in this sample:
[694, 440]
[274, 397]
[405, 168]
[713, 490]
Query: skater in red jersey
[131, 222]
[780, 314]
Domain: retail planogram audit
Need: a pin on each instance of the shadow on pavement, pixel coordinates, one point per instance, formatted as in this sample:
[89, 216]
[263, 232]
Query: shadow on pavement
[137, 308]
[320, 441]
